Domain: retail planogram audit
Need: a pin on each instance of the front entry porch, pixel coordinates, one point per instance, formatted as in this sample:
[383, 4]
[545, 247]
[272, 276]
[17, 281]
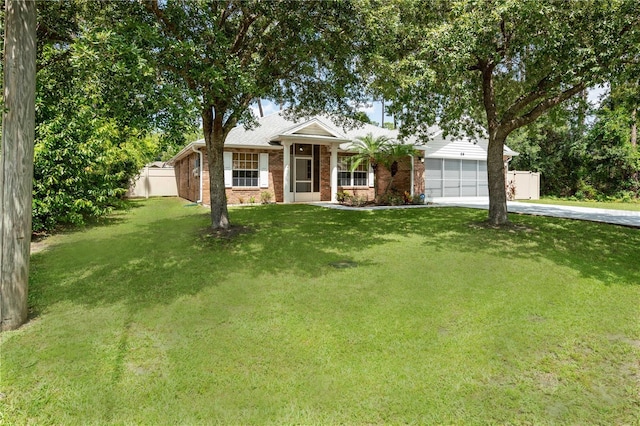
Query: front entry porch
[310, 172]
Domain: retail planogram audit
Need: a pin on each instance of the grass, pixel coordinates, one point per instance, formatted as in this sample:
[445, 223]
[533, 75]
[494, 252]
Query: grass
[610, 205]
[146, 320]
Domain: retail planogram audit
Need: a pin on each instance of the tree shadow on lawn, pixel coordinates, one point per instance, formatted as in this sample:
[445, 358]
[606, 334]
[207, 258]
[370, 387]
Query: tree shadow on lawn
[164, 259]
[605, 252]
[172, 257]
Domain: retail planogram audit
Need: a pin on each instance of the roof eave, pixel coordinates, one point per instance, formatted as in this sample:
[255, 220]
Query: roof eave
[184, 151]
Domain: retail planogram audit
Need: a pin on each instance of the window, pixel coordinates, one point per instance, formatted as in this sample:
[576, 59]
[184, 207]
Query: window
[245, 169]
[346, 177]
[196, 165]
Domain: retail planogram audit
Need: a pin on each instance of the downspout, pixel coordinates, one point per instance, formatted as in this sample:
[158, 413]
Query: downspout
[506, 164]
[193, 148]
[412, 177]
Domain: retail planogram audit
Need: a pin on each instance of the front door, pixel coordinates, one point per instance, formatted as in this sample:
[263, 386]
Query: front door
[306, 185]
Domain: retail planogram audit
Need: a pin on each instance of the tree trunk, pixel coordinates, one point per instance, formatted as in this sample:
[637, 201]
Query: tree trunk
[497, 137]
[16, 160]
[496, 176]
[634, 128]
[260, 107]
[214, 136]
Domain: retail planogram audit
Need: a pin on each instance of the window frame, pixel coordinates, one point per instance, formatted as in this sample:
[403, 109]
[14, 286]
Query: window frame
[241, 175]
[356, 177]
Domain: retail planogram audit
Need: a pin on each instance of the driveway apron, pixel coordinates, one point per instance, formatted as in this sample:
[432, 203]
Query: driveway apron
[616, 217]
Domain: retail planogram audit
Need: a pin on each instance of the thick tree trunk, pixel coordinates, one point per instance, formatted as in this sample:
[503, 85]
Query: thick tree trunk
[214, 136]
[496, 176]
[16, 160]
[497, 136]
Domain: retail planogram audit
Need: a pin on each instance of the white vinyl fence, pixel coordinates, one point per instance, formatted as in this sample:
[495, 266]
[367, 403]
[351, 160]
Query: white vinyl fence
[527, 184]
[154, 182]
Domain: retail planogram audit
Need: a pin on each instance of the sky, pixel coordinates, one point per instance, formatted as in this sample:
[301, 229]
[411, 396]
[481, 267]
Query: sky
[374, 109]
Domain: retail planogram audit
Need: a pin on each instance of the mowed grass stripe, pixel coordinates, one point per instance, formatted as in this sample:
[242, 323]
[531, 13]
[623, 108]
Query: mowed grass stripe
[145, 319]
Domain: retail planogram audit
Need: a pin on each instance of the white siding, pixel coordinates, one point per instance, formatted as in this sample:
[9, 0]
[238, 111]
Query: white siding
[459, 149]
[314, 129]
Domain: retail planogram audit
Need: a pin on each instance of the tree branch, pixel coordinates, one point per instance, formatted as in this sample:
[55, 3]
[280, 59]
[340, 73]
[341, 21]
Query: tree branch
[226, 12]
[153, 8]
[246, 24]
[488, 93]
[542, 107]
[519, 104]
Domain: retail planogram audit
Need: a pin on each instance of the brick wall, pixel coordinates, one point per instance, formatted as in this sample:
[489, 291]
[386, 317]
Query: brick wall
[418, 176]
[240, 195]
[188, 184]
[325, 173]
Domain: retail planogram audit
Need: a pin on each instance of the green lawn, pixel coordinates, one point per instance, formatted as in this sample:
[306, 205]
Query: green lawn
[610, 205]
[146, 320]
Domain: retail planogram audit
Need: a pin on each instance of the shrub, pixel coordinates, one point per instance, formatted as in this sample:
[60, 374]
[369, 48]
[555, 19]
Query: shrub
[357, 200]
[265, 197]
[342, 196]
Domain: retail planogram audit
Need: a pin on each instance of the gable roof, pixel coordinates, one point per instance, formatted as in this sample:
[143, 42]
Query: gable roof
[275, 128]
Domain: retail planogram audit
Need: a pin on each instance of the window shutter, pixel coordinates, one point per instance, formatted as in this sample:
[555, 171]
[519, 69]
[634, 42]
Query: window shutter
[228, 171]
[264, 170]
[371, 177]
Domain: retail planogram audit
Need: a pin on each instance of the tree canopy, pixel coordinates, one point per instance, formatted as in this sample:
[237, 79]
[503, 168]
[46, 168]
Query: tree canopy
[489, 67]
[227, 54]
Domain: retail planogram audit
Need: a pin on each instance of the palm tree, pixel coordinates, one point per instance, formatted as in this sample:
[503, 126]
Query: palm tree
[370, 149]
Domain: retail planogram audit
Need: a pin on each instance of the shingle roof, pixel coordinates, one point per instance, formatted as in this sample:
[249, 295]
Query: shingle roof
[275, 127]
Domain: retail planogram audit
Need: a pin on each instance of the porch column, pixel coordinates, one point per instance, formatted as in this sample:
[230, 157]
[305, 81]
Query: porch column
[286, 173]
[334, 172]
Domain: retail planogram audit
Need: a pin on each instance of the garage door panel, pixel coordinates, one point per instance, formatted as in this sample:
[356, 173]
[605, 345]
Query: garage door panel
[433, 168]
[469, 189]
[456, 178]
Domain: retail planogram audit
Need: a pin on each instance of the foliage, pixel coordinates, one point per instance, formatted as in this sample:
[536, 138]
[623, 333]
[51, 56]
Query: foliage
[370, 150]
[588, 162]
[100, 112]
[227, 54]
[353, 200]
[611, 163]
[265, 197]
[488, 68]
[379, 151]
[441, 322]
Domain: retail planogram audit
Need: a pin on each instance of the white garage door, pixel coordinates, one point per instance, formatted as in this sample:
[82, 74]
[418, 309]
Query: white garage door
[456, 178]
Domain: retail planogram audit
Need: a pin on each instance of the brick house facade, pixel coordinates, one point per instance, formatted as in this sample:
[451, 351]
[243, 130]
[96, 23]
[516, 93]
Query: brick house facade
[306, 161]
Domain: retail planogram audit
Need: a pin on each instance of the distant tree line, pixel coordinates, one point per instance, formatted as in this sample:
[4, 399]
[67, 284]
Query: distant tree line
[583, 152]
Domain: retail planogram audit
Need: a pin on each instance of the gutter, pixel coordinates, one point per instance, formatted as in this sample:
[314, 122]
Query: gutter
[193, 148]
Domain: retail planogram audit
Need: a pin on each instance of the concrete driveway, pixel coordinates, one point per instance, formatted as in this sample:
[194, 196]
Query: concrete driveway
[617, 217]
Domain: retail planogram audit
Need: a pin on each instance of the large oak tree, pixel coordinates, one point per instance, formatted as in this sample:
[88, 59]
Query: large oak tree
[229, 53]
[489, 67]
